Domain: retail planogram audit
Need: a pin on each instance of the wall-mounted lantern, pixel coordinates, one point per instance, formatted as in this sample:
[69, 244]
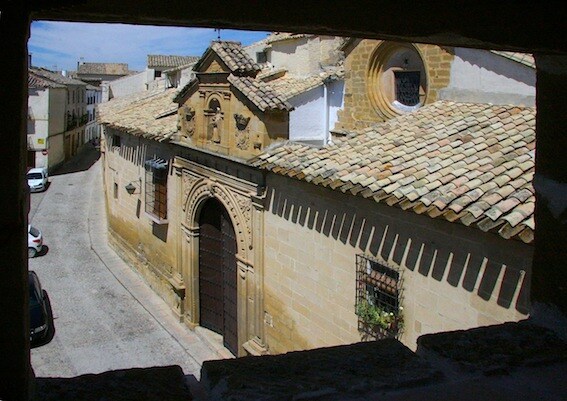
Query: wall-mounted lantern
[131, 188]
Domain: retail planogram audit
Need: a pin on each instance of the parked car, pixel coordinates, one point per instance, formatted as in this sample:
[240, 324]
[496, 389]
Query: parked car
[37, 179]
[39, 317]
[35, 241]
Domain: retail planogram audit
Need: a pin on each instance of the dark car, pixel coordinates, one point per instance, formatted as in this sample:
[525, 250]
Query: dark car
[39, 317]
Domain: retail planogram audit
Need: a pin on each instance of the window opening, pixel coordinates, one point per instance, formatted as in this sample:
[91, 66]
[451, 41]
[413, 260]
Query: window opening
[378, 299]
[156, 189]
[261, 57]
[407, 87]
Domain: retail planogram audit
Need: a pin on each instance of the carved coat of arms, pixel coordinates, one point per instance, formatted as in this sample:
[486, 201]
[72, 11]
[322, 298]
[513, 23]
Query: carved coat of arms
[242, 131]
[187, 121]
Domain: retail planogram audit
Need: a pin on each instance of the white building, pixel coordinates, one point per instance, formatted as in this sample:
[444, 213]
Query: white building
[57, 117]
[94, 97]
[162, 72]
[46, 120]
[307, 70]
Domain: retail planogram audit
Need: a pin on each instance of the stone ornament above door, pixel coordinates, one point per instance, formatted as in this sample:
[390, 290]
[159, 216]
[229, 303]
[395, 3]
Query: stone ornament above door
[197, 189]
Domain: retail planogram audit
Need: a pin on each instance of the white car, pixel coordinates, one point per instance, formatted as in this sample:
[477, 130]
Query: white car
[35, 241]
[37, 179]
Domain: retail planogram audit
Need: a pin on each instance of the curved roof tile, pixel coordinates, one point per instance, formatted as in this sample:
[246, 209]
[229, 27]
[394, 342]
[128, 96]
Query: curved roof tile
[488, 190]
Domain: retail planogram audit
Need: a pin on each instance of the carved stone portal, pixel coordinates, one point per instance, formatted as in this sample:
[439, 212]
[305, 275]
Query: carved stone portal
[198, 184]
[197, 190]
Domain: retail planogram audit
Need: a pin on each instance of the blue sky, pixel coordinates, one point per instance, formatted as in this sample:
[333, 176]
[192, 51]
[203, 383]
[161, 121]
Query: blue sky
[59, 45]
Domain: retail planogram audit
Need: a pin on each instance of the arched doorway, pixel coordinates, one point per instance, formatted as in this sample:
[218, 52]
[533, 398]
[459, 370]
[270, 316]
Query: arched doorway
[217, 273]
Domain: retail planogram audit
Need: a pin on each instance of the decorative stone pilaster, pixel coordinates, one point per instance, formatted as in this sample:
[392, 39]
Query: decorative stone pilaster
[190, 272]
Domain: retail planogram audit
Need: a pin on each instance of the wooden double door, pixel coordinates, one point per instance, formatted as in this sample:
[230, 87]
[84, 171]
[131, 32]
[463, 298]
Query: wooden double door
[217, 274]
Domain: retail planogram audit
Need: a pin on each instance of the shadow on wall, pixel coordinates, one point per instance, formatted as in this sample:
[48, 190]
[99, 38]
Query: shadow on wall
[461, 256]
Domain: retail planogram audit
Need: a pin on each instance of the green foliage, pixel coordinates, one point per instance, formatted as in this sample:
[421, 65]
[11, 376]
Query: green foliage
[374, 315]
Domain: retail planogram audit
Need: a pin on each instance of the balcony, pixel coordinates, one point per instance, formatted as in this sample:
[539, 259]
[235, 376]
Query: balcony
[75, 122]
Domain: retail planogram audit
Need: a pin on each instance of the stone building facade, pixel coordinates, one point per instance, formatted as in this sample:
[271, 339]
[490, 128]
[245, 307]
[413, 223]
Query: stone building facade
[440, 242]
[190, 147]
[371, 67]
[423, 201]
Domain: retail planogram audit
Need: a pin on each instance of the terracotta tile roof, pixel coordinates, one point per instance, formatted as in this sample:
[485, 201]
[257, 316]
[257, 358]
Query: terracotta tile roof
[289, 86]
[280, 36]
[37, 81]
[103, 68]
[463, 162]
[233, 55]
[55, 77]
[157, 60]
[150, 114]
[269, 72]
[522, 58]
[260, 93]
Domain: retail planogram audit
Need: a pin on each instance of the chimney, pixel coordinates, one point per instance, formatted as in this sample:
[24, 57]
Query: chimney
[29, 60]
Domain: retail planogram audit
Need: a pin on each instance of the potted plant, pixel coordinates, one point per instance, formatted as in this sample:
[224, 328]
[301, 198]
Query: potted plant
[376, 315]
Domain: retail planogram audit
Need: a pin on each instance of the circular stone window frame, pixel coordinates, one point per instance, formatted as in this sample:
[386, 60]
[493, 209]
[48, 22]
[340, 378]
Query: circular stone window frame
[375, 70]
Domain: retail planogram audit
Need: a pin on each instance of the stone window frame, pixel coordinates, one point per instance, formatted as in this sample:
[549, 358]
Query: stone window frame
[377, 63]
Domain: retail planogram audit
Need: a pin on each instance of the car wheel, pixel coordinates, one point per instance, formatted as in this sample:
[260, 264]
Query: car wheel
[32, 252]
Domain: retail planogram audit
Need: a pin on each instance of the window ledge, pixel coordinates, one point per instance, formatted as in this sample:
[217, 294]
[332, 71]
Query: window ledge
[157, 220]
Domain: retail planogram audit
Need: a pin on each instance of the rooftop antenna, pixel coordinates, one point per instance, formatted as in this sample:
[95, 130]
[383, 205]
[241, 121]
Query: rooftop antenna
[217, 30]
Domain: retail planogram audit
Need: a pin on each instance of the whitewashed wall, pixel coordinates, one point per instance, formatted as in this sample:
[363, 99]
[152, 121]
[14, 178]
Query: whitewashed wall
[315, 113]
[130, 84]
[307, 120]
[482, 76]
[335, 94]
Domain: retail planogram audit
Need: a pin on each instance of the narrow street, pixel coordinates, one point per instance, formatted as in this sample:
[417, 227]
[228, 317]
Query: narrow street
[100, 323]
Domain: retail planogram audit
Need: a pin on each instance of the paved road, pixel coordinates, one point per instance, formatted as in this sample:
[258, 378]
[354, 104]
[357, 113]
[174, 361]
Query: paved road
[100, 323]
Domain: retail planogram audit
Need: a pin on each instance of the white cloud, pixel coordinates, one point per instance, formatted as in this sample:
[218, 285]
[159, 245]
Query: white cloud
[62, 44]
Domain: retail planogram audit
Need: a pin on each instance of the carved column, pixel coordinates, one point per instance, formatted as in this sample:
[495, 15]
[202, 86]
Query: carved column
[176, 280]
[190, 262]
[244, 298]
[256, 345]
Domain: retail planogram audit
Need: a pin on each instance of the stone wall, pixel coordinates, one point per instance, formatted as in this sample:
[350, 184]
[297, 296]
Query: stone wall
[358, 111]
[149, 247]
[453, 277]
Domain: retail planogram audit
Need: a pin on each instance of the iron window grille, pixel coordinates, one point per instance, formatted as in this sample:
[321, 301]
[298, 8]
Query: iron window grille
[378, 298]
[156, 190]
[116, 141]
[407, 87]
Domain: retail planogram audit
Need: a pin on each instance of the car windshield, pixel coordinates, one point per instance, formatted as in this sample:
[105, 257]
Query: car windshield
[34, 176]
[34, 231]
[33, 297]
